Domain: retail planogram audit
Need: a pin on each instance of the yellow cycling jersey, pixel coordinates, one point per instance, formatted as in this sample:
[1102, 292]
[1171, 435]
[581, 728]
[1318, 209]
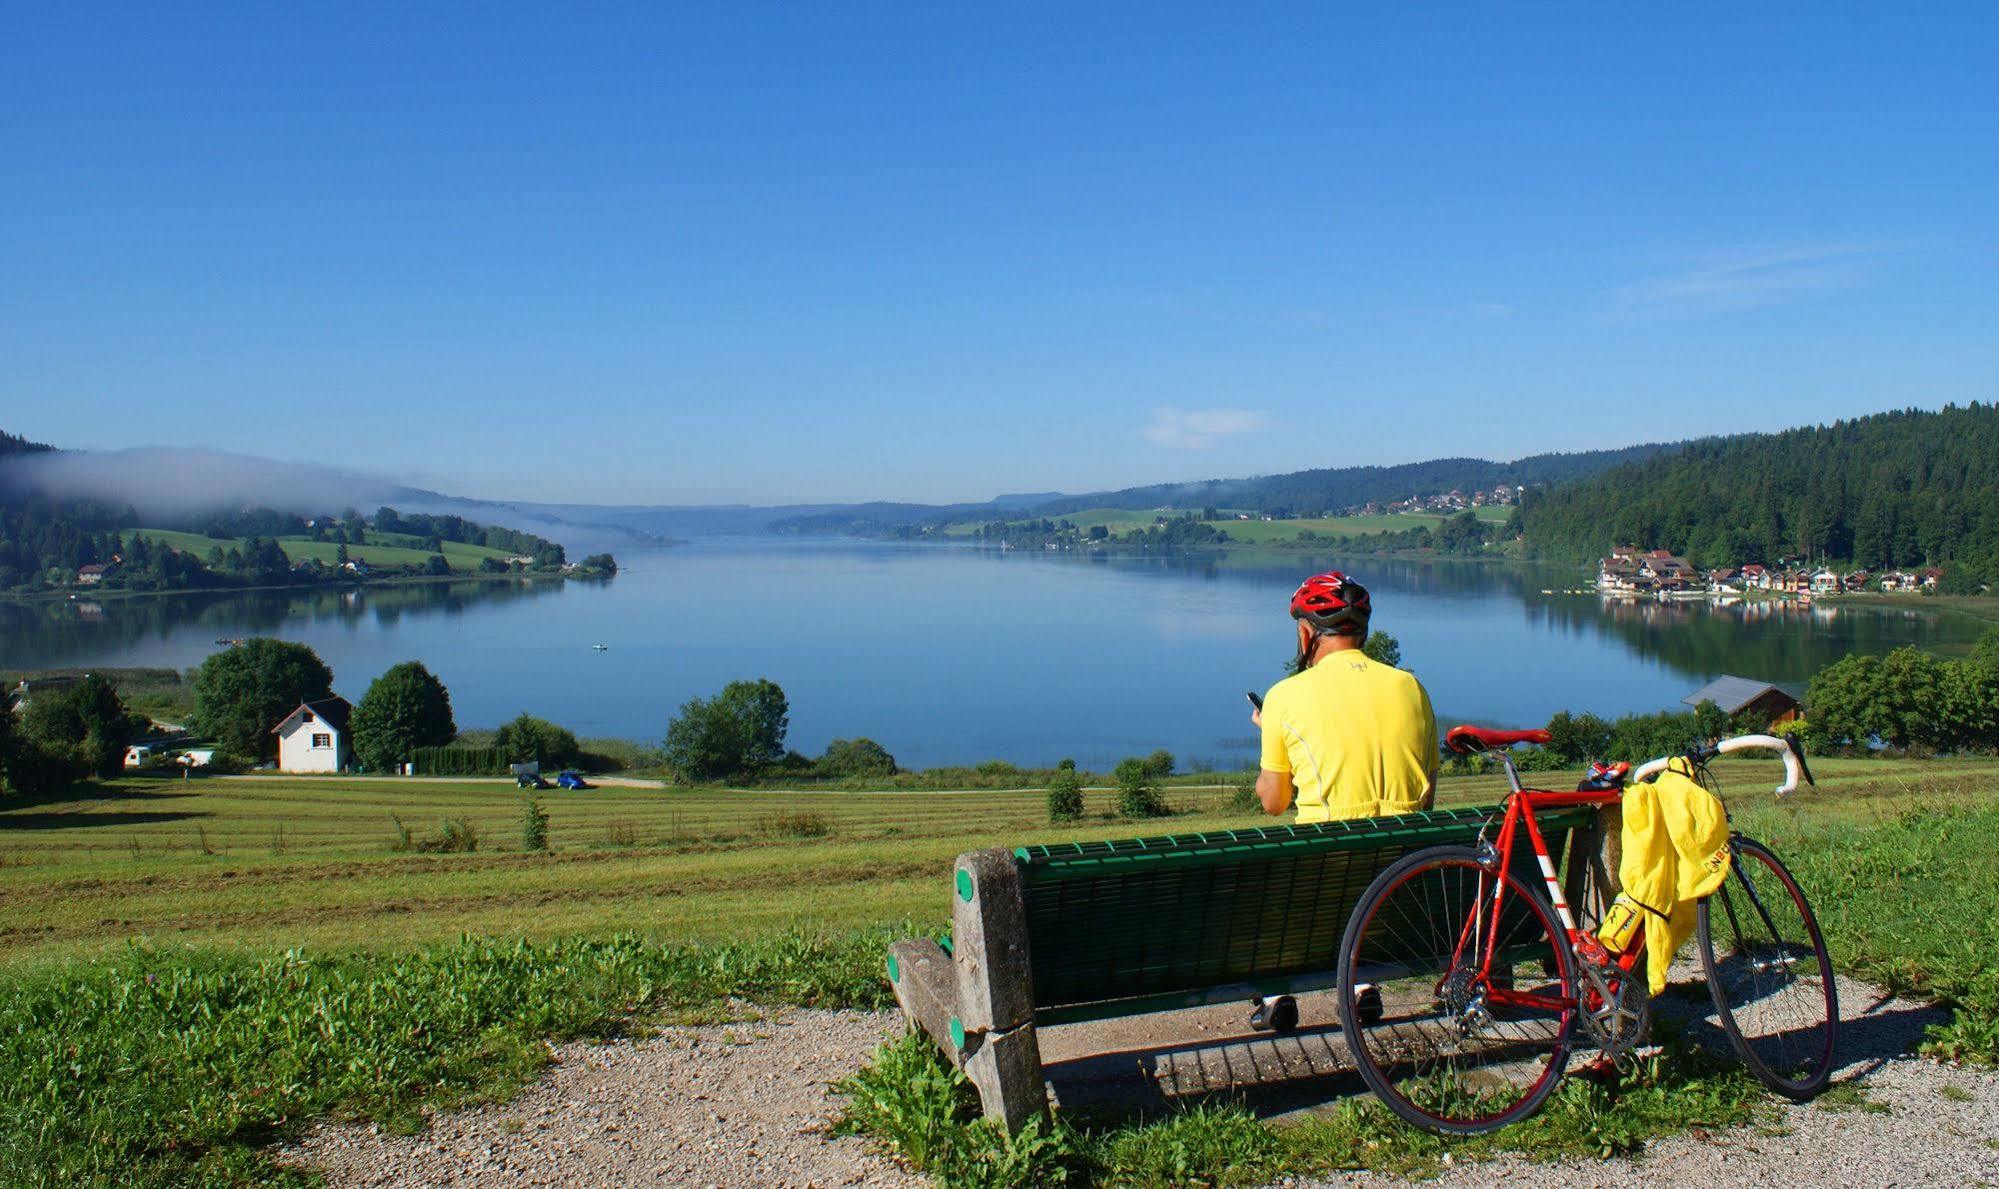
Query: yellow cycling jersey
[1358, 738]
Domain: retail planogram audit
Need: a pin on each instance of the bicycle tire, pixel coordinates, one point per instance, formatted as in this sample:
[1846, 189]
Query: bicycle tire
[1374, 1064]
[1743, 985]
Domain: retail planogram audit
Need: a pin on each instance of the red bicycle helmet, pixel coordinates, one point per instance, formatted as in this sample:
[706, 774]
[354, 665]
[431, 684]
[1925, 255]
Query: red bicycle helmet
[1330, 601]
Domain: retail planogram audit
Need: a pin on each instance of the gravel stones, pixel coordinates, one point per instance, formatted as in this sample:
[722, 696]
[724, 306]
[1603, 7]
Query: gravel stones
[725, 1105]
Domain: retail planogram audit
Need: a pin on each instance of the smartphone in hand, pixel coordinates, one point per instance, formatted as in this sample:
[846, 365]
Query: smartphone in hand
[1255, 700]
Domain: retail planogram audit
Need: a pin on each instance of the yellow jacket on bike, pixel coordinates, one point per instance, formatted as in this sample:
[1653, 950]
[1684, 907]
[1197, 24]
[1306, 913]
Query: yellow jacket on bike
[1675, 852]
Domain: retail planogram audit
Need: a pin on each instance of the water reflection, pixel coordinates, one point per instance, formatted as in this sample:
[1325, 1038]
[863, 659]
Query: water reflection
[950, 655]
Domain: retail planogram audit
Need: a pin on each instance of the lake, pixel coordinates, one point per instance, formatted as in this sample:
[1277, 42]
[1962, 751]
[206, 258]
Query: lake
[952, 655]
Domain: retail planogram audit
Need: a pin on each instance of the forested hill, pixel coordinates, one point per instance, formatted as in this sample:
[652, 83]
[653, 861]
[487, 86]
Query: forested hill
[1331, 489]
[1894, 489]
[1338, 488]
[10, 444]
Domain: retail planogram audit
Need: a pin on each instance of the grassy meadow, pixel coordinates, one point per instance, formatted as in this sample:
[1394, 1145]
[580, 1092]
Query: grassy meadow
[382, 549]
[241, 955]
[1258, 532]
[264, 863]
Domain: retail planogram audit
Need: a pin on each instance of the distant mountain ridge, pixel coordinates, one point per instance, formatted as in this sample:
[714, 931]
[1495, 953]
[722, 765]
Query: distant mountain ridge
[1324, 489]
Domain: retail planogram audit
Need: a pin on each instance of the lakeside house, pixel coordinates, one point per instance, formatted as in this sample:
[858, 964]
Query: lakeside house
[92, 574]
[314, 738]
[1734, 695]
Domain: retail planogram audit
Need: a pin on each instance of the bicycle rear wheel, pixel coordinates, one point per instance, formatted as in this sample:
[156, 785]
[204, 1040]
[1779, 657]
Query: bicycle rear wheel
[1456, 1047]
[1767, 967]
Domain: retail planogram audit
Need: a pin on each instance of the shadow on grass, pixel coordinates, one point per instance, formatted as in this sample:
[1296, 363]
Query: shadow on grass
[16, 820]
[91, 792]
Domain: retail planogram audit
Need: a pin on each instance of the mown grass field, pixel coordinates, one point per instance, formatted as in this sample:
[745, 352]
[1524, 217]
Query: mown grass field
[290, 965]
[264, 863]
[387, 549]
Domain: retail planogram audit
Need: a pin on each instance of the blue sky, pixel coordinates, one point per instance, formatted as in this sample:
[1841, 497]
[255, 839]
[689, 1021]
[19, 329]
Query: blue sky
[680, 254]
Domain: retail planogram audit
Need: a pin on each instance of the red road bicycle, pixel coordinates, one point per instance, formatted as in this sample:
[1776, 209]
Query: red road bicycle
[1483, 995]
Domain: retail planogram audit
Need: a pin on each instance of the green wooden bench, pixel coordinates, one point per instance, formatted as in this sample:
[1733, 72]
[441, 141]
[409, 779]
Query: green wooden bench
[1057, 934]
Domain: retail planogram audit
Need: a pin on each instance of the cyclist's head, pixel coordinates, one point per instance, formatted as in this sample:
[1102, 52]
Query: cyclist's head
[1332, 604]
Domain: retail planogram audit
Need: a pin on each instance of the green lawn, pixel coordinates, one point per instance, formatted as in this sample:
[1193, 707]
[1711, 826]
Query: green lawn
[292, 965]
[393, 549]
[269, 862]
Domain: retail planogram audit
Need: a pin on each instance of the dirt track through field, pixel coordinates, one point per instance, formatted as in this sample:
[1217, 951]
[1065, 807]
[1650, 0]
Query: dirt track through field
[748, 1104]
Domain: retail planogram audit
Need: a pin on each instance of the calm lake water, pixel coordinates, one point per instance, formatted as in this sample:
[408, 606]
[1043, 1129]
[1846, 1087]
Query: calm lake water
[952, 655]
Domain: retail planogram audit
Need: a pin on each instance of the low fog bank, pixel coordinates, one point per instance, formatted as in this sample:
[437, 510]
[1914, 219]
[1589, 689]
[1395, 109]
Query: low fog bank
[178, 486]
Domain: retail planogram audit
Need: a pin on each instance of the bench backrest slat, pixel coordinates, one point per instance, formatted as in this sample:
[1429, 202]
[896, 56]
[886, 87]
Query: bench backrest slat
[1111, 920]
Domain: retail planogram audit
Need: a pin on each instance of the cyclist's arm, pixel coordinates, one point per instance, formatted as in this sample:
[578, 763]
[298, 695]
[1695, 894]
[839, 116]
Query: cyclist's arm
[1274, 790]
[1273, 783]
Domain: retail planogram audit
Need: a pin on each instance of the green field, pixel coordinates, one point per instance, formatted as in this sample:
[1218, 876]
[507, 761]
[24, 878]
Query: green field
[1265, 531]
[386, 549]
[268, 862]
[290, 965]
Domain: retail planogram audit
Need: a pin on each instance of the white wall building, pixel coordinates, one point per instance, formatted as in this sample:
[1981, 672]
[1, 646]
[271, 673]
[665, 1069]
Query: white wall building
[313, 738]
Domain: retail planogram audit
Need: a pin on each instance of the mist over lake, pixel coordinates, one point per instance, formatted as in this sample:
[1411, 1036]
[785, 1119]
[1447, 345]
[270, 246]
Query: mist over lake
[952, 655]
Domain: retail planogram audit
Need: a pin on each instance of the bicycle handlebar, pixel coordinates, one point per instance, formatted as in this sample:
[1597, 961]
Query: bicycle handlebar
[1793, 756]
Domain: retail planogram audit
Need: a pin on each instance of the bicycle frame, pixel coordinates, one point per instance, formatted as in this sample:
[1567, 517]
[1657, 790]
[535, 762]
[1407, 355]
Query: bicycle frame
[1521, 804]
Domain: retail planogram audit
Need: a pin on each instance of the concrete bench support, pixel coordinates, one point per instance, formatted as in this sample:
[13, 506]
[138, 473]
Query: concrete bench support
[995, 987]
[927, 989]
[1590, 876]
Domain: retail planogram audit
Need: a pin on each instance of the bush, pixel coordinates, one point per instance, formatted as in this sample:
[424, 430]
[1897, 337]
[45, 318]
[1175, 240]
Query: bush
[738, 732]
[1136, 796]
[528, 738]
[998, 768]
[909, 1098]
[856, 757]
[460, 761]
[1065, 796]
[454, 836]
[534, 824]
[1242, 794]
[1383, 648]
[797, 825]
[87, 722]
[1159, 764]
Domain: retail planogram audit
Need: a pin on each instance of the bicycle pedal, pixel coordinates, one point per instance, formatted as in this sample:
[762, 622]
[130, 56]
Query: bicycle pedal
[1277, 1013]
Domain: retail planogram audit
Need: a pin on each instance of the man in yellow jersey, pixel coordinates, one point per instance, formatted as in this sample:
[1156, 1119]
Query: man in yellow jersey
[1345, 736]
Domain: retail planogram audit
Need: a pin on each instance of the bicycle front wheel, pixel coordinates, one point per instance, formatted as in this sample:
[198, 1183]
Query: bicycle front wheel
[1767, 967]
[1450, 1041]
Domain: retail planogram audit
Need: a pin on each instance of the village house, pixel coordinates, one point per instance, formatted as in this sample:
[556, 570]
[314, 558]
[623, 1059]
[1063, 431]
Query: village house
[91, 575]
[313, 738]
[1734, 695]
[1755, 576]
[1824, 582]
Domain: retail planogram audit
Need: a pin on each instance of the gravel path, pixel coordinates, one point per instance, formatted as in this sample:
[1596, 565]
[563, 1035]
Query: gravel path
[736, 1104]
[747, 1104]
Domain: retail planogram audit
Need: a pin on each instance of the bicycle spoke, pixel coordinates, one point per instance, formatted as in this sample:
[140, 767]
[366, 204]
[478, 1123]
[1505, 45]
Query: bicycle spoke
[1769, 974]
[1439, 1050]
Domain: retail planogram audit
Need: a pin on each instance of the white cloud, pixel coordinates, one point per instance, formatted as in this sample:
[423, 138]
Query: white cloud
[1197, 429]
[1747, 277]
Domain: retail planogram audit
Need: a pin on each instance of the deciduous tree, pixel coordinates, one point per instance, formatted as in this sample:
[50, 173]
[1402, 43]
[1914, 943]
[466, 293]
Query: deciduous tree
[405, 708]
[242, 692]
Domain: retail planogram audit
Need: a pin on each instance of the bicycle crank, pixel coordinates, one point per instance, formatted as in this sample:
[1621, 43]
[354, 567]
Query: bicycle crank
[1617, 1009]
